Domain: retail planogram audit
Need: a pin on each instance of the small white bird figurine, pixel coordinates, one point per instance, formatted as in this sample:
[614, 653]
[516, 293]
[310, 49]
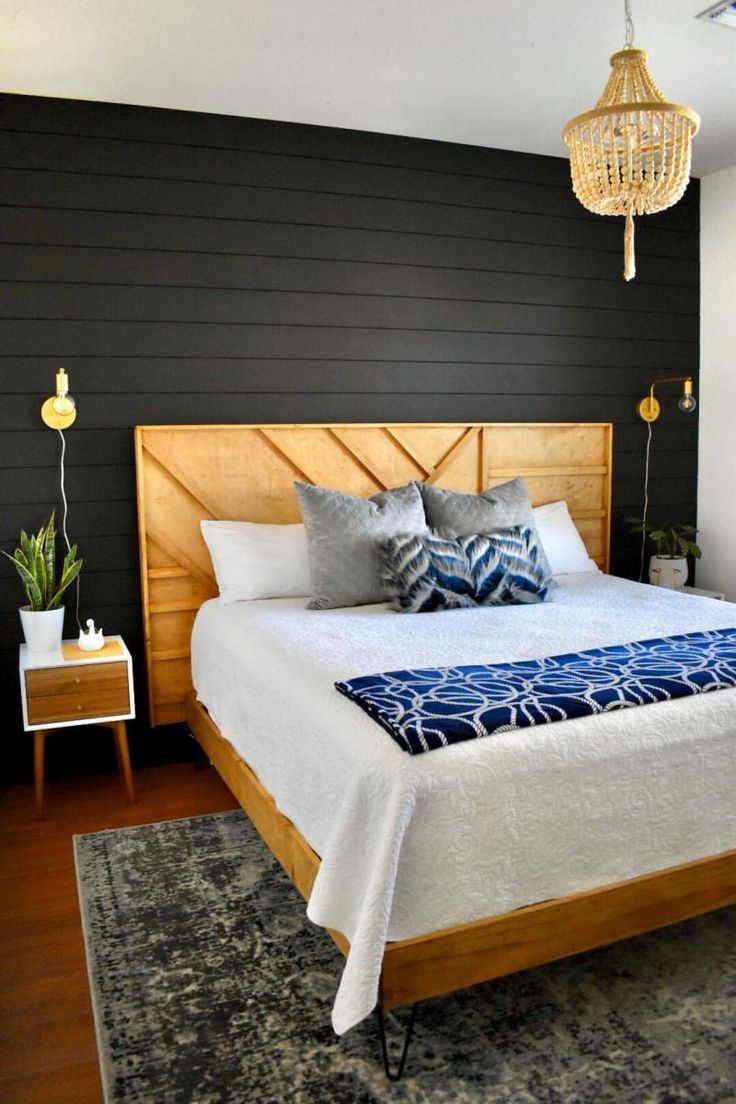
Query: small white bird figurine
[92, 640]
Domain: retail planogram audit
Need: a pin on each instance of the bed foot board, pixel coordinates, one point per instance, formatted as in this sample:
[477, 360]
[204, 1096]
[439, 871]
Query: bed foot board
[397, 1072]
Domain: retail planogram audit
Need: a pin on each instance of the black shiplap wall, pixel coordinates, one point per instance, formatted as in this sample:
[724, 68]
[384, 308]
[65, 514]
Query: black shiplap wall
[200, 268]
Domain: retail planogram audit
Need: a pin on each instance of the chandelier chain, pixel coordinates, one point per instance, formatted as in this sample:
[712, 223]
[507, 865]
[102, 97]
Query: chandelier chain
[629, 23]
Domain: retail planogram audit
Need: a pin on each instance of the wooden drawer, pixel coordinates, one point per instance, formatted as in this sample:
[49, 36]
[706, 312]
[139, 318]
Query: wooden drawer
[74, 693]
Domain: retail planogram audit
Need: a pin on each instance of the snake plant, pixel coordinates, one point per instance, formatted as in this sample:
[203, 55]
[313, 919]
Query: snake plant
[35, 562]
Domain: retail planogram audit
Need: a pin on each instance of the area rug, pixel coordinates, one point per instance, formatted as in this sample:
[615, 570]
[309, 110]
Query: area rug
[210, 986]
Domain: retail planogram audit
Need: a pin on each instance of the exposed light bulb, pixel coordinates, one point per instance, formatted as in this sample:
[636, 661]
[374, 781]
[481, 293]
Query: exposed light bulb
[60, 410]
[687, 403]
[63, 404]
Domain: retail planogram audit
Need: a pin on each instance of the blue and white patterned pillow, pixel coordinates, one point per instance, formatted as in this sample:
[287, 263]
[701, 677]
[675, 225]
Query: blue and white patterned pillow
[424, 572]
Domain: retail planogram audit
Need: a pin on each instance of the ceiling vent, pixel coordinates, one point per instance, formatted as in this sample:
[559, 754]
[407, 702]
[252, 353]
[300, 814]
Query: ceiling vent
[724, 14]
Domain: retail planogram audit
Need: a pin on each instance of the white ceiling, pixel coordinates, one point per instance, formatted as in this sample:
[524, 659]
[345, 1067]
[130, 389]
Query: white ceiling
[485, 72]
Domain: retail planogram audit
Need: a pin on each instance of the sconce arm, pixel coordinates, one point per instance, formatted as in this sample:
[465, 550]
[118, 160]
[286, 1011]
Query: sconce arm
[648, 408]
[687, 380]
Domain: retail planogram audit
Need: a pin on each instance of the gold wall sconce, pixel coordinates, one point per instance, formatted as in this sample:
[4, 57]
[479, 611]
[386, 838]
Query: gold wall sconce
[59, 411]
[648, 408]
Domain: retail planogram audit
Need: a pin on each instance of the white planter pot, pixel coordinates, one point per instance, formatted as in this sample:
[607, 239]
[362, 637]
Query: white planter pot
[42, 629]
[668, 571]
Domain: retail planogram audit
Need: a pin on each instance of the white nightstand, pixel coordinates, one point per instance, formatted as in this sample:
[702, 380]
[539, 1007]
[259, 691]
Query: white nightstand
[72, 688]
[719, 594]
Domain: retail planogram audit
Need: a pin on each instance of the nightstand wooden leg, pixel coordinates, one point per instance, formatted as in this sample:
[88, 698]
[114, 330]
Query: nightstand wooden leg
[38, 749]
[121, 749]
[118, 758]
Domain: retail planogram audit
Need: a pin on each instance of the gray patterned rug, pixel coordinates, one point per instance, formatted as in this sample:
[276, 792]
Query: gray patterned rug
[210, 986]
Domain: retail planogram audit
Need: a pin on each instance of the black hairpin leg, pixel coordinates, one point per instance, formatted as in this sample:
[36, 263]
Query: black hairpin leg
[395, 1075]
[199, 756]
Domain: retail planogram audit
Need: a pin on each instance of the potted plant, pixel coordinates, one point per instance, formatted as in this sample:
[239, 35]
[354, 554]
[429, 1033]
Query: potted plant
[35, 561]
[668, 566]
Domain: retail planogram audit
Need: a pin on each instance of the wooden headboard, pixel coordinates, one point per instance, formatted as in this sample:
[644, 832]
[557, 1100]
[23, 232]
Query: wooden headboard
[246, 473]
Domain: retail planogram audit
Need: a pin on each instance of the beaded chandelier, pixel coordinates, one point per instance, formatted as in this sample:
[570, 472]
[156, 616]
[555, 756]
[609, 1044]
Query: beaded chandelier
[630, 155]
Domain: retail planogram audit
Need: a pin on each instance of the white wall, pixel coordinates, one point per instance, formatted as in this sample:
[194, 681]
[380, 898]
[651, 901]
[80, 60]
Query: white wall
[717, 451]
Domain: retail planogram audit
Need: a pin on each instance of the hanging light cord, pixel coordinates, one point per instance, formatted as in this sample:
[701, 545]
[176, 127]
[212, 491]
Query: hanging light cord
[62, 478]
[629, 26]
[646, 502]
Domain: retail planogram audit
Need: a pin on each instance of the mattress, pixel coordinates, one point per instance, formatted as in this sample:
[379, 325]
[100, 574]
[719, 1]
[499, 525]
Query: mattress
[412, 844]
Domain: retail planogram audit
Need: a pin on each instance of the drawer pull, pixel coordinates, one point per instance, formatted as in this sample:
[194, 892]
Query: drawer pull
[79, 708]
[77, 680]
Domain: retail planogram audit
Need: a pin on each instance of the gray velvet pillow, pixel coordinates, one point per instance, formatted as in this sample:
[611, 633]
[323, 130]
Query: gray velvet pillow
[343, 533]
[457, 514]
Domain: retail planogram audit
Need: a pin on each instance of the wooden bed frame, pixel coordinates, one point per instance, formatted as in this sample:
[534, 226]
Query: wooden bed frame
[187, 473]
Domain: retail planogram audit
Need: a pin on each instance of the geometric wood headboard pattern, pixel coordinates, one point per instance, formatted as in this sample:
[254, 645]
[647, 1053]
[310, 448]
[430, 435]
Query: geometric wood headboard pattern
[246, 473]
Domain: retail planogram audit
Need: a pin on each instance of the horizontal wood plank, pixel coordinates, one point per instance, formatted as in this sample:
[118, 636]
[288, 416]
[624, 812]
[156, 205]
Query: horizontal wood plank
[236, 168]
[226, 307]
[167, 268]
[169, 232]
[194, 378]
[136, 338]
[219, 133]
[195, 200]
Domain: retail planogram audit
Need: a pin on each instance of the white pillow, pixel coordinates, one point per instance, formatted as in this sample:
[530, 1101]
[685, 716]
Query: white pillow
[561, 540]
[258, 561]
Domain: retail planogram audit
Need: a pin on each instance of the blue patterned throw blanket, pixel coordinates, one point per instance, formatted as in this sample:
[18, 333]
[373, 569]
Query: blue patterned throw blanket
[437, 706]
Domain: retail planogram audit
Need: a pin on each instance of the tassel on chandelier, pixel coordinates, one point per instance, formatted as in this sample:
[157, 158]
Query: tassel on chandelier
[630, 155]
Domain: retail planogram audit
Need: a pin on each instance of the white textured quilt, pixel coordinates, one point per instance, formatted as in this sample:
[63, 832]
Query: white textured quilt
[411, 844]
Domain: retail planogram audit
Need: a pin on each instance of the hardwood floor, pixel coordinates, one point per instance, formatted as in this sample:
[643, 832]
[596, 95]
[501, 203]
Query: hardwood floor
[47, 1042]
